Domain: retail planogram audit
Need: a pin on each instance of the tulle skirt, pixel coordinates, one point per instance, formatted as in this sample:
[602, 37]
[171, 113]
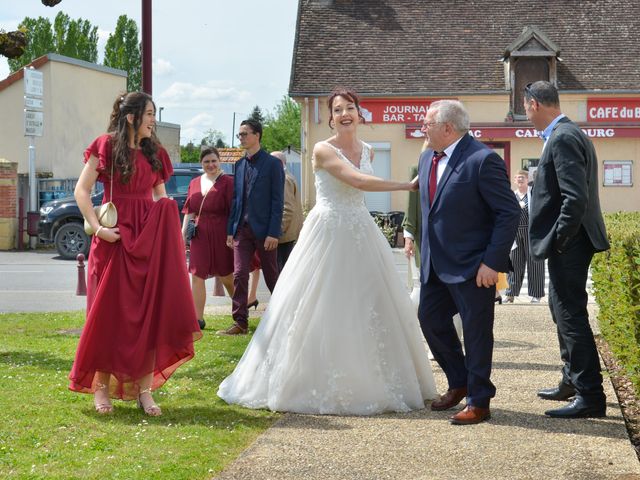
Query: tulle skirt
[340, 334]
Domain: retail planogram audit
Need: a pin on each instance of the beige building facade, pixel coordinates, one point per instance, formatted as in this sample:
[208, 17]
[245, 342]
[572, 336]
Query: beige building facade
[76, 101]
[398, 145]
[401, 56]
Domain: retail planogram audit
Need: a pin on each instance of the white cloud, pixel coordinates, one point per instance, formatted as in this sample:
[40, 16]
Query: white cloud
[184, 94]
[203, 121]
[196, 127]
[103, 36]
[162, 67]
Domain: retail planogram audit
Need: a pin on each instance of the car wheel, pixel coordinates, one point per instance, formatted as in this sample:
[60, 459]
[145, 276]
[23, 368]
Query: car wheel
[71, 240]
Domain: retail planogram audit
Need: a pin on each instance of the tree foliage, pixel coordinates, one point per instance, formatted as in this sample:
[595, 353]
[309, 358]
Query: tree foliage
[282, 128]
[256, 114]
[39, 41]
[213, 138]
[123, 51]
[12, 44]
[190, 153]
[73, 38]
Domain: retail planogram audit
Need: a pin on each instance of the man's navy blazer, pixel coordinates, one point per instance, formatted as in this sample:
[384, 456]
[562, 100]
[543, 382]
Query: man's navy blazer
[474, 216]
[265, 196]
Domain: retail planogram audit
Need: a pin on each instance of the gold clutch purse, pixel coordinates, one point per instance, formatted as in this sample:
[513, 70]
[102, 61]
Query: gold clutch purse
[107, 216]
[107, 213]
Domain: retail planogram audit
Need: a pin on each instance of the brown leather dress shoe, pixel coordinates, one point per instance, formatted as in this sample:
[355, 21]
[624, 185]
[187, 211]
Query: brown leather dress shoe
[449, 400]
[471, 415]
[234, 329]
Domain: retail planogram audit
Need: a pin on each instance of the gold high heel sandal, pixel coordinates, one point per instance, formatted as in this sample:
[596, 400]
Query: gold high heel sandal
[105, 407]
[153, 410]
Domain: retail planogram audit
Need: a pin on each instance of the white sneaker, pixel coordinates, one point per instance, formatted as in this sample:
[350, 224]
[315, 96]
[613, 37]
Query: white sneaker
[535, 300]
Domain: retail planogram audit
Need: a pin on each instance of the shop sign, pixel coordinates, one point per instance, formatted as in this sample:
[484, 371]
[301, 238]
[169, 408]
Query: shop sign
[623, 110]
[394, 111]
[489, 133]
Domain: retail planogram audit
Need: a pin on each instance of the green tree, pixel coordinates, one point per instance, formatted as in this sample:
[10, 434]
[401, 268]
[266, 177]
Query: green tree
[39, 41]
[282, 128]
[213, 138]
[123, 51]
[73, 38]
[256, 114]
[190, 153]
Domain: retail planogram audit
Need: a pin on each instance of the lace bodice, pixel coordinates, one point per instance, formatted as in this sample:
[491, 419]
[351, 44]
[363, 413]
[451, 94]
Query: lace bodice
[334, 193]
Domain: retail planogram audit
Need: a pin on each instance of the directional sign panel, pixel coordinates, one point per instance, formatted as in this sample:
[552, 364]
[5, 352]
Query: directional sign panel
[33, 123]
[33, 82]
[32, 103]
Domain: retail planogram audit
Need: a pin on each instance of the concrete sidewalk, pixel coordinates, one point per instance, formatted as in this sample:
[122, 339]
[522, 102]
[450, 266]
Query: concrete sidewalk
[519, 442]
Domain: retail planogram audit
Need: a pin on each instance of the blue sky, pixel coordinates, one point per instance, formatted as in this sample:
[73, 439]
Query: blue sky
[211, 58]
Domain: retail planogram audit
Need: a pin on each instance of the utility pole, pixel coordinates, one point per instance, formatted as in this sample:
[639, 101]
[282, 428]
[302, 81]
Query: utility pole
[146, 47]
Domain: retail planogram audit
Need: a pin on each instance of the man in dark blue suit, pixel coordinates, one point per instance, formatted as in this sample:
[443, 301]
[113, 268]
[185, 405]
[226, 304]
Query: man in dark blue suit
[469, 221]
[255, 219]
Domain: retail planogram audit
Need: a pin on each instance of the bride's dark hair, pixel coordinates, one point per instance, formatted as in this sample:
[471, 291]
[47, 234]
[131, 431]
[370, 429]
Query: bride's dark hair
[133, 103]
[347, 93]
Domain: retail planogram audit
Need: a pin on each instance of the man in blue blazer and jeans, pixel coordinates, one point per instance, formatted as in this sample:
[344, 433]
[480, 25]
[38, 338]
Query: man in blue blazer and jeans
[255, 219]
[469, 221]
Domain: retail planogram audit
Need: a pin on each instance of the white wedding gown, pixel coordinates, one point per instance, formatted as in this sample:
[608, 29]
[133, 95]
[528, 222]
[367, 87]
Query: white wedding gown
[340, 335]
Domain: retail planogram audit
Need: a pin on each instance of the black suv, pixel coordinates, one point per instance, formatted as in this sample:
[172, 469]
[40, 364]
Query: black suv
[61, 222]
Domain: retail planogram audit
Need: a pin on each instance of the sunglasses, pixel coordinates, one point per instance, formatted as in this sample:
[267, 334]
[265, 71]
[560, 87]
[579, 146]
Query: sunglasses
[530, 93]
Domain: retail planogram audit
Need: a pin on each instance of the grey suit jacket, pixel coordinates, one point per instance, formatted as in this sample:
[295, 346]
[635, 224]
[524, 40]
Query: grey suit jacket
[564, 196]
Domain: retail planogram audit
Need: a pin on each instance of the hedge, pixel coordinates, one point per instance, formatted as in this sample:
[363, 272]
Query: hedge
[616, 283]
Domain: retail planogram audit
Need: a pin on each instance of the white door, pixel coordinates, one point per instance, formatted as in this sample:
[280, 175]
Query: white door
[380, 201]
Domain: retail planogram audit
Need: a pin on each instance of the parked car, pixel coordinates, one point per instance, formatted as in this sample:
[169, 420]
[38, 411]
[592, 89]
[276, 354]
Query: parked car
[61, 222]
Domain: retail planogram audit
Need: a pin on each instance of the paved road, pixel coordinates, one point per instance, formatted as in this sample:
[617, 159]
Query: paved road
[41, 281]
[38, 281]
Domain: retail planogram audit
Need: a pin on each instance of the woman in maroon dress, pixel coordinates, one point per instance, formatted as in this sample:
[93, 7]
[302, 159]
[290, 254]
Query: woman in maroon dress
[209, 255]
[141, 323]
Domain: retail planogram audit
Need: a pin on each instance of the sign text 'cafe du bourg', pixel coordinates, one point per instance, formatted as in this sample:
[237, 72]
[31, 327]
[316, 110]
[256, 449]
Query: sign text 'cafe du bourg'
[609, 114]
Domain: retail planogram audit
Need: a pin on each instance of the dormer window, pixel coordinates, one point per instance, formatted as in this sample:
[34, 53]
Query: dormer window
[531, 57]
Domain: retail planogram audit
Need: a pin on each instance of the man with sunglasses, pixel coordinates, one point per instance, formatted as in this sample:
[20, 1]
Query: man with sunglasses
[255, 219]
[567, 228]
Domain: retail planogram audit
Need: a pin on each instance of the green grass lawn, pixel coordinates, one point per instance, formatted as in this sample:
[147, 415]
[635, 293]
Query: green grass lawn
[47, 431]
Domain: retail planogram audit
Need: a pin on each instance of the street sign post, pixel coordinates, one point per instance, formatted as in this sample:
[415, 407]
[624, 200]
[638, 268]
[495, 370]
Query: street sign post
[33, 127]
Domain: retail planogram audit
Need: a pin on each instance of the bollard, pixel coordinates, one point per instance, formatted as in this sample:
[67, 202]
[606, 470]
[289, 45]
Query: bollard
[81, 289]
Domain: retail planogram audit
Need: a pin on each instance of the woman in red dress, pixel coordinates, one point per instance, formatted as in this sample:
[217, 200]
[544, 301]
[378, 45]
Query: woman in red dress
[141, 323]
[209, 255]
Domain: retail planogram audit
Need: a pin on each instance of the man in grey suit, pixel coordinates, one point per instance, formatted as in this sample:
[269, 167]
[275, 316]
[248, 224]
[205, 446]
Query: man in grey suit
[567, 228]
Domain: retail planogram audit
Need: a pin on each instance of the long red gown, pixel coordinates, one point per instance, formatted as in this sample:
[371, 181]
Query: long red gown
[210, 255]
[140, 313]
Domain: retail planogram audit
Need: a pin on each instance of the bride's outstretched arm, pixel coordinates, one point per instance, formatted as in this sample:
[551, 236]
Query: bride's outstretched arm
[327, 159]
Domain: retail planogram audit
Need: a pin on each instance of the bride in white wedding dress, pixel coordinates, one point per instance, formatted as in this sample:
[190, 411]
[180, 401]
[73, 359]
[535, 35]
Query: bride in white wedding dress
[340, 334]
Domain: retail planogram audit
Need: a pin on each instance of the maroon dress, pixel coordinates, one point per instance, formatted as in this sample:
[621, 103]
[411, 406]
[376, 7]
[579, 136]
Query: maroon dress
[210, 255]
[140, 313]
